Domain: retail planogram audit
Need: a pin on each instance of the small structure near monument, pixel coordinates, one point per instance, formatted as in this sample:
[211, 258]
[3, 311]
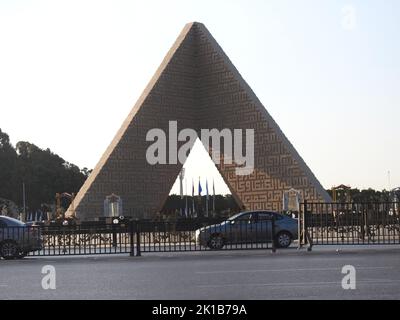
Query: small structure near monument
[291, 201]
[113, 206]
[341, 194]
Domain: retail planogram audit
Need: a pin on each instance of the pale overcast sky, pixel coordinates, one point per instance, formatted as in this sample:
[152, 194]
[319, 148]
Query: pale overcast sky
[327, 71]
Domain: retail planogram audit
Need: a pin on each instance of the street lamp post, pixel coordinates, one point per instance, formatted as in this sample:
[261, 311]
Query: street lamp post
[181, 177]
[23, 201]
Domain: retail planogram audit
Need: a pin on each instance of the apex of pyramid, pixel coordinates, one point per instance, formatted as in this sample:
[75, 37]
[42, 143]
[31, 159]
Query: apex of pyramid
[195, 24]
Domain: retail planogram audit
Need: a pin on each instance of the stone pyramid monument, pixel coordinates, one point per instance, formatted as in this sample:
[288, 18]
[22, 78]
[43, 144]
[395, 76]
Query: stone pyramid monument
[197, 86]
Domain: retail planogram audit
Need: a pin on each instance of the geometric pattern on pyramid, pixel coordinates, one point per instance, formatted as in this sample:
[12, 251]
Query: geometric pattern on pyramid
[197, 86]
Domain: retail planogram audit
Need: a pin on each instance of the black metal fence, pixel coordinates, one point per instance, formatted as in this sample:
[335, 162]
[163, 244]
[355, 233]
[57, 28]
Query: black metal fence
[135, 237]
[350, 223]
[192, 236]
[54, 240]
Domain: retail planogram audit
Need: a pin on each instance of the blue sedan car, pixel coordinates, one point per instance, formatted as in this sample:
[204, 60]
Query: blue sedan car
[249, 227]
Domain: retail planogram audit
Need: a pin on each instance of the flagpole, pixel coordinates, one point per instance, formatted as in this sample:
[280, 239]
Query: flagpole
[24, 201]
[181, 177]
[207, 198]
[213, 198]
[192, 197]
[186, 202]
[200, 202]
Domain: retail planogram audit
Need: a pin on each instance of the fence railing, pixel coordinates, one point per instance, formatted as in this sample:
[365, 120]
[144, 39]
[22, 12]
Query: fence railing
[188, 236]
[350, 223]
[136, 237]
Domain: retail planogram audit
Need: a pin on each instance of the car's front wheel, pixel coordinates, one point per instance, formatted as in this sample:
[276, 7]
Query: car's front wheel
[9, 250]
[283, 239]
[216, 242]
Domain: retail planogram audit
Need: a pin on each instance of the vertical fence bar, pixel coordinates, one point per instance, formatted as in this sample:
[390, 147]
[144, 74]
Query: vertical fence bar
[299, 231]
[397, 220]
[272, 221]
[305, 222]
[131, 238]
[138, 252]
[114, 235]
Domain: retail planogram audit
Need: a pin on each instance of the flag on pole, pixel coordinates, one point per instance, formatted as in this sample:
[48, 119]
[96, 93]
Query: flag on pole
[200, 189]
[193, 197]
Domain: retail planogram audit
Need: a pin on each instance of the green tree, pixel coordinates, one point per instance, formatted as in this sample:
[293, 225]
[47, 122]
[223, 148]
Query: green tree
[43, 172]
[8, 166]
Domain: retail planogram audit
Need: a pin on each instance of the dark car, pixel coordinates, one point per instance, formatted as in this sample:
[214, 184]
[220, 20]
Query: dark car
[17, 239]
[249, 227]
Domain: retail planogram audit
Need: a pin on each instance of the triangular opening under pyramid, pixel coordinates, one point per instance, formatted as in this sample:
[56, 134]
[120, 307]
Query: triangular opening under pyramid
[200, 165]
[187, 202]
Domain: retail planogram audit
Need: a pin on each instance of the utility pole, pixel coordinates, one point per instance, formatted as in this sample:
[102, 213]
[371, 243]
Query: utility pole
[181, 177]
[23, 201]
[186, 197]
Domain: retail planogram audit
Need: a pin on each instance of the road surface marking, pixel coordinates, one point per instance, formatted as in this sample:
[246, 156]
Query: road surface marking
[298, 284]
[287, 270]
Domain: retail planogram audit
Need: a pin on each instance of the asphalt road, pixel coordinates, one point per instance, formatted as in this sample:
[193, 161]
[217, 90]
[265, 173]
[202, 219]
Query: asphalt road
[287, 274]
